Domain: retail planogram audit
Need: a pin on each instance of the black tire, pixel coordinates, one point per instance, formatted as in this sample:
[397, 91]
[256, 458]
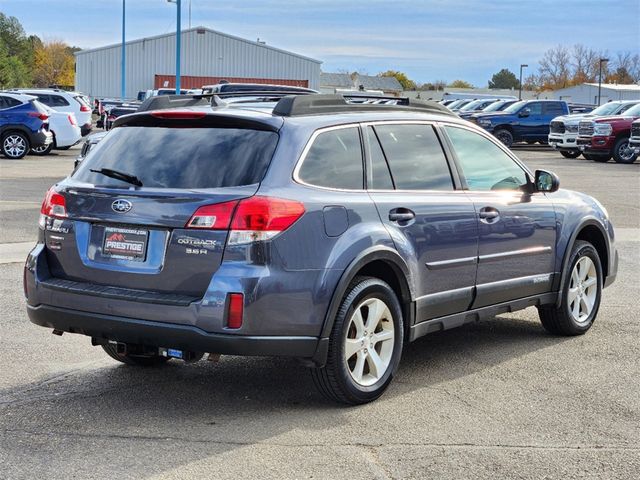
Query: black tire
[622, 153]
[335, 380]
[15, 145]
[597, 158]
[505, 136]
[42, 152]
[559, 320]
[570, 153]
[140, 360]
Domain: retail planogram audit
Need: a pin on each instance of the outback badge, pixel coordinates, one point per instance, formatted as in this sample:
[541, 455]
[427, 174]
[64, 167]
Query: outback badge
[121, 206]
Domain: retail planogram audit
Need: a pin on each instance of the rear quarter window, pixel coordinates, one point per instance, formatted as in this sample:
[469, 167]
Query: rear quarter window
[181, 158]
[334, 160]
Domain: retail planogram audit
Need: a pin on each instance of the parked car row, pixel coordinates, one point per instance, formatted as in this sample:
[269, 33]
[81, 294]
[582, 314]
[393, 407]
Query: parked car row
[39, 120]
[573, 129]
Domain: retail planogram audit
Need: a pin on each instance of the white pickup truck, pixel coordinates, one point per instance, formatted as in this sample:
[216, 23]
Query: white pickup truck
[563, 131]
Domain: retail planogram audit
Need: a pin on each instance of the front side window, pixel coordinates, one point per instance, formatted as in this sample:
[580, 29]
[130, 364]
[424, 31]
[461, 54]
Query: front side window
[415, 157]
[534, 108]
[485, 166]
[334, 160]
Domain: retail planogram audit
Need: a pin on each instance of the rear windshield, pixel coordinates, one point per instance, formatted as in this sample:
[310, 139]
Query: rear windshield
[184, 158]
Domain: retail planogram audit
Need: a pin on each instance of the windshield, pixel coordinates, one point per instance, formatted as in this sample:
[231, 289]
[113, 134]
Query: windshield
[494, 107]
[455, 103]
[472, 105]
[633, 111]
[515, 107]
[185, 158]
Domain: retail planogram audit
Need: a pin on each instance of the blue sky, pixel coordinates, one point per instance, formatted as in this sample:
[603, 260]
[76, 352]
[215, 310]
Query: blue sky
[429, 40]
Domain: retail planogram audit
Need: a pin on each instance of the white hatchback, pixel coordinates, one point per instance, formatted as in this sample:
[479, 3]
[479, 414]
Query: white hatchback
[63, 101]
[65, 130]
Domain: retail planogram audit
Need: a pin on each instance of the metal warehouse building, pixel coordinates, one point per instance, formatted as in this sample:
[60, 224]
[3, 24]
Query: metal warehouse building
[207, 56]
[588, 93]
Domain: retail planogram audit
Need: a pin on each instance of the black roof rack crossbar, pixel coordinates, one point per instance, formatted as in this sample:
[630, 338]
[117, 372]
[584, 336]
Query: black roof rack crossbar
[300, 105]
[162, 102]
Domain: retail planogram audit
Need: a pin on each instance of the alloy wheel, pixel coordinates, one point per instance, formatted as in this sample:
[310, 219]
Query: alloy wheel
[369, 343]
[14, 146]
[583, 290]
[624, 152]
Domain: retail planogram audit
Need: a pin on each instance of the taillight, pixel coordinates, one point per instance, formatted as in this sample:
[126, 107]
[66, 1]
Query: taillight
[213, 217]
[235, 310]
[41, 116]
[85, 108]
[54, 205]
[72, 120]
[111, 118]
[253, 219]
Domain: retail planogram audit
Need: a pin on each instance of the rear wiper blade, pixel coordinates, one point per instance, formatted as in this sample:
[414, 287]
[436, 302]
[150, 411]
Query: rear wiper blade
[125, 177]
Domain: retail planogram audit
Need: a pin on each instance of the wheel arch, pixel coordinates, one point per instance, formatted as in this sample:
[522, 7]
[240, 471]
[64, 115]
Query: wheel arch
[380, 262]
[593, 232]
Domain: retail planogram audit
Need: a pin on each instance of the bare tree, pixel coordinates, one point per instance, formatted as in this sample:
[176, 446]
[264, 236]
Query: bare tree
[627, 67]
[585, 64]
[555, 68]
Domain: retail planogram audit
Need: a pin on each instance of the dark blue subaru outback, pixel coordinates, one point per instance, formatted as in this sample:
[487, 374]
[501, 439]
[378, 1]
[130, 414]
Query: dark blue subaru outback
[315, 228]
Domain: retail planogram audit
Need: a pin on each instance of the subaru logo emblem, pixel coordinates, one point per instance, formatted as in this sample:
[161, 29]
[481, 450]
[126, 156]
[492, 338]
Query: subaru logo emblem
[121, 206]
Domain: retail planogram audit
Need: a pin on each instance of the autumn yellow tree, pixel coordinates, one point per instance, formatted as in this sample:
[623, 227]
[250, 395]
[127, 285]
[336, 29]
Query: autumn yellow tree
[54, 64]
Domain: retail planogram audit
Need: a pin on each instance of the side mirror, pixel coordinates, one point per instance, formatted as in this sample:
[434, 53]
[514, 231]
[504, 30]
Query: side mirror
[546, 181]
[525, 112]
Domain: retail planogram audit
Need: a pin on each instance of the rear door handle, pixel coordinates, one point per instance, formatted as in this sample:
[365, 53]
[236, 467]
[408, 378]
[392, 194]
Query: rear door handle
[489, 215]
[401, 215]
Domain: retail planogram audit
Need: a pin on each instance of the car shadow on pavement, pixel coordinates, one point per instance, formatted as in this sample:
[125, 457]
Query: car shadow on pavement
[218, 407]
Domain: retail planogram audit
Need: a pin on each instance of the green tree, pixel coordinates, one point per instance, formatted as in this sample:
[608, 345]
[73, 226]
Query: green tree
[460, 84]
[504, 79]
[16, 53]
[406, 82]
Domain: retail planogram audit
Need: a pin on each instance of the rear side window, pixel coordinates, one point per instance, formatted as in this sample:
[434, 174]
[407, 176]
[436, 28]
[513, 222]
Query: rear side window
[8, 102]
[415, 157]
[553, 108]
[182, 158]
[334, 160]
[58, 101]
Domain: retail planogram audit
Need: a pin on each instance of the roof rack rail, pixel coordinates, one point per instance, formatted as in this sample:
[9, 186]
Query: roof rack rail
[300, 105]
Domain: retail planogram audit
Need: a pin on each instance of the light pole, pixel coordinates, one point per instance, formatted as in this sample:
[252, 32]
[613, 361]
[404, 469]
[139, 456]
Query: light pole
[123, 84]
[523, 65]
[601, 61]
[178, 35]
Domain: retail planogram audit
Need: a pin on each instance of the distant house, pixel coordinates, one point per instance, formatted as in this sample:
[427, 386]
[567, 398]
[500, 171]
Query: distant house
[588, 93]
[330, 82]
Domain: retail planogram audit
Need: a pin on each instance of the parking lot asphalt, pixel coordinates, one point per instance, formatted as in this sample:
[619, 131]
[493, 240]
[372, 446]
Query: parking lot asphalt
[496, 399]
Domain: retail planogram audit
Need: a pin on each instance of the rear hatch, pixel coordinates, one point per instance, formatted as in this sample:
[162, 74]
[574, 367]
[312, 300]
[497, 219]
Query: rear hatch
[131, 236]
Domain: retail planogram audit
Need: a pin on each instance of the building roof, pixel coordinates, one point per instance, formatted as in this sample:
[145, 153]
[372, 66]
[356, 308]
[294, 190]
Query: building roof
[369, 82]
[614, 86]
[208, 30]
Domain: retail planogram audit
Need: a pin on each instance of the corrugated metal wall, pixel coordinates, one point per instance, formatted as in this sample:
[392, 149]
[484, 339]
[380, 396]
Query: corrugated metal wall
[207, 54]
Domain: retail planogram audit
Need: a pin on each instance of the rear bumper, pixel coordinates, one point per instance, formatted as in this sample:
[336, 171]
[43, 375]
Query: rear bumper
[159, 334]
[41, 138]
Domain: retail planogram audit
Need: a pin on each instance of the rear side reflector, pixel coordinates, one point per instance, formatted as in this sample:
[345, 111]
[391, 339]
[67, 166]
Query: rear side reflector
[235, 310]
[72, 120]
[54, 204]
[178, 114]
[250, 220]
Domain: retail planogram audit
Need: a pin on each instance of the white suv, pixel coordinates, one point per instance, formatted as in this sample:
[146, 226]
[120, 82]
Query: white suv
[63, 101]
